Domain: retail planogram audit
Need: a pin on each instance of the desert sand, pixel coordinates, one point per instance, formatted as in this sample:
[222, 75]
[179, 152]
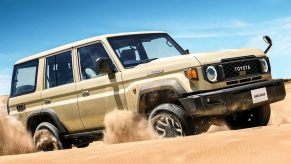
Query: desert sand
[270, 144]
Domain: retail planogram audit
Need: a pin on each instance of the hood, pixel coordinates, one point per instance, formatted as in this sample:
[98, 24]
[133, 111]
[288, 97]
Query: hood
[216, 57]
[161, 66]
[175, 62]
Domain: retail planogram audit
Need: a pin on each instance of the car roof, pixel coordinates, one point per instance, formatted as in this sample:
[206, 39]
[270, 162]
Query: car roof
[81, 42]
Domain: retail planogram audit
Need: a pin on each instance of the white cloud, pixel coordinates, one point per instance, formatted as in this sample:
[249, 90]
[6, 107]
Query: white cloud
[201, 35]
[236, 34]
[223, 28]
[280, 31]
[239, 23]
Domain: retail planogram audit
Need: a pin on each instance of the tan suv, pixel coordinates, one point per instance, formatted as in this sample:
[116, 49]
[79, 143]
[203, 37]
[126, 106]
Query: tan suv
[68, 90]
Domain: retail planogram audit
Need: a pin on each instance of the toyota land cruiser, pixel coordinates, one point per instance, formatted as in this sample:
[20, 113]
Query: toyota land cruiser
[68, 90]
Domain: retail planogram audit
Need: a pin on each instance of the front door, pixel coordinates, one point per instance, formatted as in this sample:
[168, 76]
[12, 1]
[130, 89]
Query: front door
[97, 94]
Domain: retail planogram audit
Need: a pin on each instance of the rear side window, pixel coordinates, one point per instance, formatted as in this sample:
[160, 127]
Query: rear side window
[24, 78]
[59, 70]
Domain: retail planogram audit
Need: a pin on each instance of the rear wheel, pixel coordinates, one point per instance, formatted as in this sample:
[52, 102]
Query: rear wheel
[169, 120]
[255, 117]
[82, 145]
[47, 138]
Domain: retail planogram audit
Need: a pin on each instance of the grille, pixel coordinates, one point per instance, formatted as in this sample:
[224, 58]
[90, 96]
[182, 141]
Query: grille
[231, 73]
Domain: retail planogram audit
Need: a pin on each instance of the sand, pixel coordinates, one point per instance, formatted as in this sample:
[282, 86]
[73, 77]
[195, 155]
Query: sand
[270, 144]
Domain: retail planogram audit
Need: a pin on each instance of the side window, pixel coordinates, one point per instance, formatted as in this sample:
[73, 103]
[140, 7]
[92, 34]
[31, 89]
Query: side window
[24, 78]
[87, 58]
[59, 70]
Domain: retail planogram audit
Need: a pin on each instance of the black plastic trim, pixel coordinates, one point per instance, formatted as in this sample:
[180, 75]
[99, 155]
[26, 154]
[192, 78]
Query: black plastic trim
[230, 60]
[170, 84]
[232, 99]
[47, 112]
[97, 134]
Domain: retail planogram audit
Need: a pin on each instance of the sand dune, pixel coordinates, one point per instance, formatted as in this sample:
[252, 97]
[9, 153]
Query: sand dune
[270, 144]
[261, 145]
[281, 111]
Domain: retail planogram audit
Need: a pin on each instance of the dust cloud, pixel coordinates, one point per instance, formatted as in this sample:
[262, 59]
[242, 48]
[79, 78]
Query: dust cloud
[126, 126]
[281, 111]
[14, 139]
[3, 104]
[281, 114]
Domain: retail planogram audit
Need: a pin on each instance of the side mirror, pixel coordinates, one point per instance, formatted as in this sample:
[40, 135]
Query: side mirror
[268, 40]
[187, 51]
[103, 67]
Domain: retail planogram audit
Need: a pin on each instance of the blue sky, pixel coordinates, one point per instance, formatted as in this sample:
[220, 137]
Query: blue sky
[31, 26]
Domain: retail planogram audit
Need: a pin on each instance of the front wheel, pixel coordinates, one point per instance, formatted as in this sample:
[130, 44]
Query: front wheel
[255, 117]
[169, 120]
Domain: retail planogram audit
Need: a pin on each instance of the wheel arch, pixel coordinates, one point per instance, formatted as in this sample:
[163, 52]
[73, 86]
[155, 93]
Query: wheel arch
[159, 92]
[44, 115]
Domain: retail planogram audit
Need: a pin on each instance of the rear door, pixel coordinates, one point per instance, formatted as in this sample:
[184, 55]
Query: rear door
[60, 91]
[97, 94]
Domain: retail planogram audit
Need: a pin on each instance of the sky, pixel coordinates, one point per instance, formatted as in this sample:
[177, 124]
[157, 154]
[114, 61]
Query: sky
[28, 27]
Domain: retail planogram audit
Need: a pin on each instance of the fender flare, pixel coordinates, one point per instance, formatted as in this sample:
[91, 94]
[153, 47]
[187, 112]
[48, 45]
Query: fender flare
[50, 113]
[169, 84]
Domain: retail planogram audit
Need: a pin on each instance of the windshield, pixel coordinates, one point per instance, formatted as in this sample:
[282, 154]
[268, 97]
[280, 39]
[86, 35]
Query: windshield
[133, 50]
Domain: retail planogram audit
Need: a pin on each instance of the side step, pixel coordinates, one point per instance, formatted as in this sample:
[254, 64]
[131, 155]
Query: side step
[95, 135]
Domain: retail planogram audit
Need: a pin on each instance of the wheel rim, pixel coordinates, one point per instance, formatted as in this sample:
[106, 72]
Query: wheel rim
[167, 126]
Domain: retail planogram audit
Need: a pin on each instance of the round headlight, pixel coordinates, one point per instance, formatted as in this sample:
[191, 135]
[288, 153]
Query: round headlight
[211, 74]
[265, 66]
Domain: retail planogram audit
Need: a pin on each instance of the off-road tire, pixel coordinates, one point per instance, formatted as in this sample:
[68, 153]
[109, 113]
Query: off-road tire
[255, 117]
[169, 120]
[49, 136]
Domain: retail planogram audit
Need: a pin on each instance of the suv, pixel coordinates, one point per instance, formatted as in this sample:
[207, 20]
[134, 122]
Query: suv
[68, 90]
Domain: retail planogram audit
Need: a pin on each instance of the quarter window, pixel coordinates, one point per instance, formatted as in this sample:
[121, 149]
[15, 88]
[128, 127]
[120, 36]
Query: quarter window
[24, 78]
[59, 70]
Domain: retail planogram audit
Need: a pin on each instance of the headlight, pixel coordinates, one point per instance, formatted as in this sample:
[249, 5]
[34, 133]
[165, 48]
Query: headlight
[265, 65]
[211, 74]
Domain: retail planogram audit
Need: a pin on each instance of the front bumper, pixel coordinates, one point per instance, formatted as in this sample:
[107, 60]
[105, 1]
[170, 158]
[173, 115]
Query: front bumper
[231, 100]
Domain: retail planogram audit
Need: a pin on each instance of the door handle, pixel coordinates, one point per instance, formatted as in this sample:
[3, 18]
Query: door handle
[85, 93]
[47, 101]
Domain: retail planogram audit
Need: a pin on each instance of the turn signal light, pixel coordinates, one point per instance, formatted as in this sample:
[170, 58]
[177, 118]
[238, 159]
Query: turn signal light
[191, 73]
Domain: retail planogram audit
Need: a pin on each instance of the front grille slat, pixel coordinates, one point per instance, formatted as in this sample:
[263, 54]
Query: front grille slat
[231, 73]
